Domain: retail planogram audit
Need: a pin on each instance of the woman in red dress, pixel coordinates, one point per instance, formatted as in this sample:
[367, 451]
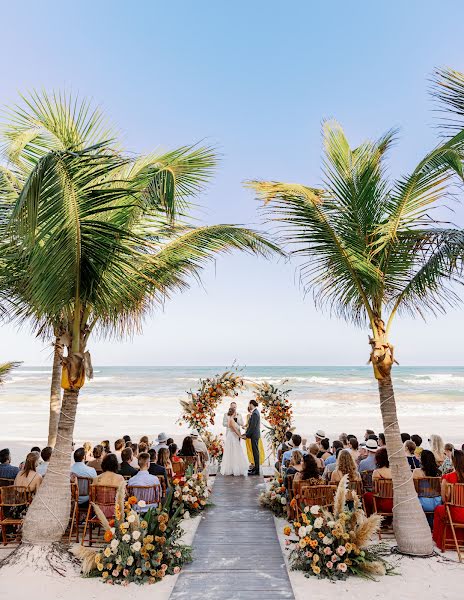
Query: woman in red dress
[440, 526]
[382, 471]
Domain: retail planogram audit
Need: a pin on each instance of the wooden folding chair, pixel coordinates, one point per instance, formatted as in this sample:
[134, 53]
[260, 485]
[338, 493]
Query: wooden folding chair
[178, 469]
[366, 478]
[4, 481]
[383, 490]
[428, 487]
[104, 496]
[151, 494]
[13, 501]
[191, 461]
[456, 501]
[320, 495]
[163, 484]
[74, 511]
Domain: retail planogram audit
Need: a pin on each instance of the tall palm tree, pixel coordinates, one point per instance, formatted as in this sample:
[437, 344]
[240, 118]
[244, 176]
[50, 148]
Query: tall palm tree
[99, 239]
[370, 250]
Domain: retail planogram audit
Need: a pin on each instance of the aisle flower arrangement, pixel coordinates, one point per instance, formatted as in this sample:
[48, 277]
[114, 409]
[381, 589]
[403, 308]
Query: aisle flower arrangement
[200, 408]
[215, 445]
[335, 543]
[139, 547]
[191, 496]
[276, 409]
[274, 496]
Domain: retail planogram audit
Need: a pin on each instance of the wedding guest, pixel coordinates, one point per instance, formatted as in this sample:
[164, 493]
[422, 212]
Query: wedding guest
[304, 444]
[369, 463]
[336, 444]
[46, 454]
[345, 466]
[330, 468]
[428, 468]
[96, 461]
[143, 447]
[28, 476]
[173, 453]
[405, 437]
[382, 471]
[324, 451]
[281, 449]
[343, 438]
[354, 448]
[125, 468]
[105, 444]
[127, 439]
[7, 470]
[457, 514]
[143, 476]
[35, 449]
[188, 449]
[314, 450]
[410, 451]
[119, 446]
[418, 441]
[310, 472]
[200, 446]
[319, 436]
[161, 441]
[164, 460]
[110, 475]
[381, 441]
[80, 469]
[135, 455]
[169, 441]
[296, 443]
[144, 440]
[447, 465]
[368, 433]
[154, 468]
[88, 451]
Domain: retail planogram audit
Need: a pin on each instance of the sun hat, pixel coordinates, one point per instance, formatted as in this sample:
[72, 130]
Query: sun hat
[371, 445]
[320, 433]
[194, 434]
[162, 437]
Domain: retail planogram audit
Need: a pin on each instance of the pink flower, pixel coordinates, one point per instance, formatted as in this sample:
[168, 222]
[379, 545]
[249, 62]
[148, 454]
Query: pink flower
[327, 551]
[164, 567]
[334, 558]
[341, 550]
[329, 565]
[115, 573]
[308, 554]
[178, 553]
[125, 572]
[342, 567]
[287, 542]
[176, 570]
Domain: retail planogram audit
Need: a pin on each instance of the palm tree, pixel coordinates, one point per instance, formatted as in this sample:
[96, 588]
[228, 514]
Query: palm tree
[371, 250]
[99, 239]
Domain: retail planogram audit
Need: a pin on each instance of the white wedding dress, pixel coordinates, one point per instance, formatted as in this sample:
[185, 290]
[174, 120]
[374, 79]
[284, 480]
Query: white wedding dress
[234, 460]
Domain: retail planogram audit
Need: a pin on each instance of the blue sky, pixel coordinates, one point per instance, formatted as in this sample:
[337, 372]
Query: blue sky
[255, 79]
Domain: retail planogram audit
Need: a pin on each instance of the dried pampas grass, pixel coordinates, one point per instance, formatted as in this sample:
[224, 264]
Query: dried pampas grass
[86, 556]
[375, 567]
[368, 528]
[101, 516]
[340, 496]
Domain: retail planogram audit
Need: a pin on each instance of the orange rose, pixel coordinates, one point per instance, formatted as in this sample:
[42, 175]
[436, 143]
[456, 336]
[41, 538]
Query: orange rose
[287, 530]
[108, 536]
[132, 500]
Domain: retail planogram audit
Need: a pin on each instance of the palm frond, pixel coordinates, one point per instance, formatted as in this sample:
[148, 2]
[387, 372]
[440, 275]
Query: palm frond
[6, 368]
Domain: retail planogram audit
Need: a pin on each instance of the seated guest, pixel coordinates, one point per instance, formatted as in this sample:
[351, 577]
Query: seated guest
[96, 461]
[438, 448]
[405, 437]
[125, 468]
[382, 471]
[310, 472]
[46, 454]
[199, 446]
[169, 441]
[345, 466]
[330, 468]
[410, 451]
[88, 451]
[188, 448]
[105, 444]
[161, 442]
[296, 442]
[80, 469]
[369, 463]
[343, 438]
[428, 468]
[333, 458]
[447, 465]
[314, 450]
[143, 477]
[418, 441]
[164, 460]
[154, 468]
[127, 439]
[110, 475]
[319, 436]
[381, 441]
[35, 449]
[368, 433]
[135, 455]
[295, 464]
[119, 446]
[7, 470]
[173, 454]
[284, 446]
[304, 444]
[144, 440]
[457, 514]
[354, 448]
[28, 476]
[324, 451]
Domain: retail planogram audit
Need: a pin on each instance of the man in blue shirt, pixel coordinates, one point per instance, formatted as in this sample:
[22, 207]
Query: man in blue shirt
[296, 441]
[333, 459]
[7, 470]
[143, 478]
[80, 469]
[369, 464]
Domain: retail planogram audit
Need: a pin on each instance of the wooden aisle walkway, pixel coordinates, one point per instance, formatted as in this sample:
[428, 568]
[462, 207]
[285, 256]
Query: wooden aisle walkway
[237, 555]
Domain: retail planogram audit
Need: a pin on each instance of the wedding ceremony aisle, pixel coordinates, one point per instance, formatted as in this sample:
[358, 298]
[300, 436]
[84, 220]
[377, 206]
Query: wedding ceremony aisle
[236, 550]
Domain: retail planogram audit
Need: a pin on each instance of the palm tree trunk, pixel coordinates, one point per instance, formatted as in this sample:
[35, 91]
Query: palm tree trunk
[55, 392]
[410, 525]
[48, 516]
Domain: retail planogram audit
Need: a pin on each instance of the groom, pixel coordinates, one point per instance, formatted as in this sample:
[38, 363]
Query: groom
[253, 432]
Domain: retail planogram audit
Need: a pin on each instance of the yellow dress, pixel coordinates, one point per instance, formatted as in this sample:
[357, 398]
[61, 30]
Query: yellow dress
[262, 456]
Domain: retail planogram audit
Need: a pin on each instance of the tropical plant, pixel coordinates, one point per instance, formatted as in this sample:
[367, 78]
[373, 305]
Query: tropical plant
[370, 250]
[99, 239]
[6, 368]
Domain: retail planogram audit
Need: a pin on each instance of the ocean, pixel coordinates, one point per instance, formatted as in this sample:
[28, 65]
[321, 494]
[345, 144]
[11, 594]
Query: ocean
[145, 400]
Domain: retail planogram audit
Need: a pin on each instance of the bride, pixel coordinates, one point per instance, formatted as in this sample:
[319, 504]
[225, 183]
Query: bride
[234, 461]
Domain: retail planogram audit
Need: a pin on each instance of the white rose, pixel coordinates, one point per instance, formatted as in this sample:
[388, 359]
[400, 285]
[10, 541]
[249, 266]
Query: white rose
[331, 524]
[136, 534]
[141, 503]
[113, 530]
[114, 544]
[193, 499]
[283, 501]
[186, 515]
[315, 509]
[185, 489]
[130, 561]
[131, 518]
[126, 537]
[309, 528]
[136, 546]
[318, 523]
[302, 532]
[306, 509]
[326, 540]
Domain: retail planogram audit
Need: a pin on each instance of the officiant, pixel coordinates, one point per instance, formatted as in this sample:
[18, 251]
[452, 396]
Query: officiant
[238, 418]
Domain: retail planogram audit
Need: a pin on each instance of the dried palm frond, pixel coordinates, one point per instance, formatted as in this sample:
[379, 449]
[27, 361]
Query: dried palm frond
[101, 516]
[366, 530]
[375, 567]
[120, 495]
[86, 556]
[340, 496]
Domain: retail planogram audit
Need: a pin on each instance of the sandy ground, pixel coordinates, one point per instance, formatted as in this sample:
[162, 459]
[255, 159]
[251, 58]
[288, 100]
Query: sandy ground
[416, 579]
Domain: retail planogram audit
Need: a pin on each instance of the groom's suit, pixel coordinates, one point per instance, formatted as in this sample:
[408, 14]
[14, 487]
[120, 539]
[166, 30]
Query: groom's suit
[254, 433]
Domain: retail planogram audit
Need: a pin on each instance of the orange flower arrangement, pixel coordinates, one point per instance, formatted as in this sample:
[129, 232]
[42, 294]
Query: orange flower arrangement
[276, 409]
